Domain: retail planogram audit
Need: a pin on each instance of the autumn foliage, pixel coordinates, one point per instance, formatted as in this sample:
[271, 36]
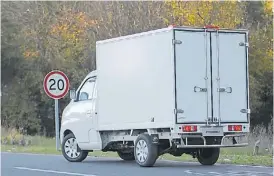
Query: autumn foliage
[225, 14]
[72, 26]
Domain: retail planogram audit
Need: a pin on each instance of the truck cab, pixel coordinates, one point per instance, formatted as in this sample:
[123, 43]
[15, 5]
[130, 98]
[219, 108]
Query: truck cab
[79, 116]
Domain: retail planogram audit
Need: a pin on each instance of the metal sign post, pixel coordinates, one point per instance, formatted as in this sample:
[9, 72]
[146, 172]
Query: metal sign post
[57, 124]
[56, 86]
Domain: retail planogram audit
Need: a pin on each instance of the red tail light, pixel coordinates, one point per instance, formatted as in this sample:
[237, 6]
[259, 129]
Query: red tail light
[189, 128]
[172, 26]
[211, 27]
[234, 127]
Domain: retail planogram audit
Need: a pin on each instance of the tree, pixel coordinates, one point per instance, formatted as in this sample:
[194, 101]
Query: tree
[201, 13]
[261, 62]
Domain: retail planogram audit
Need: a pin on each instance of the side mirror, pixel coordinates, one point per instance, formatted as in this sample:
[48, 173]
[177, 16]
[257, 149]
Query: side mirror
[72, 94]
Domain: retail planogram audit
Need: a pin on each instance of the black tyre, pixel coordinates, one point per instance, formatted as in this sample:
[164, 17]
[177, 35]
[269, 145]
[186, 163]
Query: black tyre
[71, 150]
[145, 152]
[126, 156]
[208, 156]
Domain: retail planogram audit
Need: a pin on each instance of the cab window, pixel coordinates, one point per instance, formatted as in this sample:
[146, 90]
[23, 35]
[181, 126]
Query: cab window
[86, 91]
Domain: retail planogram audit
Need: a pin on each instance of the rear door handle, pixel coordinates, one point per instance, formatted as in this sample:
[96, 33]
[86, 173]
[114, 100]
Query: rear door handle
[199, 89]
[227, 89]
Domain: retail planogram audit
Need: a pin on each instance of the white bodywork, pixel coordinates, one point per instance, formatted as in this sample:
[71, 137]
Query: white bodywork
[136, 81]
[79, 117]
[233, 73]
[192, 67]
[151, 81]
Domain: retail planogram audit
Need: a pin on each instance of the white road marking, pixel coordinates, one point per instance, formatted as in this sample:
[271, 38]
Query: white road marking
[53, 171]
[227, 173]
[217, 164]
[215, 173]
[188, 171]
[241, 165]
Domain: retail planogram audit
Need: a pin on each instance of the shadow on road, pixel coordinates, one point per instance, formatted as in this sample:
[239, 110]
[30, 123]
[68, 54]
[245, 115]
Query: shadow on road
[158, 164]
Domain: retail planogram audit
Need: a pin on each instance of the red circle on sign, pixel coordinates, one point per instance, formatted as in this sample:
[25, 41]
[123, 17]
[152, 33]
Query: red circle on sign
[45, 84]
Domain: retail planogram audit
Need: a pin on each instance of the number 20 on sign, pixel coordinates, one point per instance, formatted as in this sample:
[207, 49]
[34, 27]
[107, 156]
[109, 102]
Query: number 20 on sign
[56, 86]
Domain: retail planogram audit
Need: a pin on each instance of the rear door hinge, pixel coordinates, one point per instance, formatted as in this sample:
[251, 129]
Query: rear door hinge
[244, 44]
[176, 42]
[245, 111]
[177, 111]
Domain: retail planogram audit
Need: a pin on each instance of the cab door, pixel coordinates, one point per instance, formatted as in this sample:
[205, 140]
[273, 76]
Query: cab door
[85, 111]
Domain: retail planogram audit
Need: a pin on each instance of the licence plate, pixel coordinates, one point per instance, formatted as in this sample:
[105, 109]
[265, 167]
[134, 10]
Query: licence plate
[212, 131]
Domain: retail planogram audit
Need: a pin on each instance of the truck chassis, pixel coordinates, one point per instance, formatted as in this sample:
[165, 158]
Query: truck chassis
[146, 145]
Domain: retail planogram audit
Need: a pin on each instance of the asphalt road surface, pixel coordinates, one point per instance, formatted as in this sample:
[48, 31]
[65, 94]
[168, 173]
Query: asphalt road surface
[13, 164]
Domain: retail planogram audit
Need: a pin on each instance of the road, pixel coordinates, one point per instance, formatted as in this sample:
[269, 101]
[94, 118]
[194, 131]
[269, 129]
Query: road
[54, 165]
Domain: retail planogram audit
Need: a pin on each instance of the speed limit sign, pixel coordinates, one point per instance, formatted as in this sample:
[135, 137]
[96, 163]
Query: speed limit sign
[56, 84]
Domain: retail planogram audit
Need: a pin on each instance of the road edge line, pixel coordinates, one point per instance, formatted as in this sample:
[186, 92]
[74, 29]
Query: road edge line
[53, 171]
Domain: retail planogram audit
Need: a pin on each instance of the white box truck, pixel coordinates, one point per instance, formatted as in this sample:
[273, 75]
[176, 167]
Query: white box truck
[177, 90]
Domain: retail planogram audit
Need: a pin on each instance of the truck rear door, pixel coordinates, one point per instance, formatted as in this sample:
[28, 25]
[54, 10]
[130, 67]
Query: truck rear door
[211, 77]
[192, 74]
[229, 76]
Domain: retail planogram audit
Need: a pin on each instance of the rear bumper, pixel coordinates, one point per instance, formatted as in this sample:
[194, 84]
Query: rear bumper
[205, 145]
[212, 146]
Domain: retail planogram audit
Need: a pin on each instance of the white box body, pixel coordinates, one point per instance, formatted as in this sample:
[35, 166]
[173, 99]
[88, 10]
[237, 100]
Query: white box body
[172, 76]
[135, 81]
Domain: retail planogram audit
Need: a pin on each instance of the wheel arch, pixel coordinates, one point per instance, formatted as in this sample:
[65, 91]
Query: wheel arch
[64, 134]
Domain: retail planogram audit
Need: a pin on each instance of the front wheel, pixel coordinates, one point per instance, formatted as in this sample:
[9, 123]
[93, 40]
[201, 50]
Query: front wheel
[71, 150]
[146, 153]
[208, 156]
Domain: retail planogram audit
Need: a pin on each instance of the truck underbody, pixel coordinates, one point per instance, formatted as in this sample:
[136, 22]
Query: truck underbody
[167, 142]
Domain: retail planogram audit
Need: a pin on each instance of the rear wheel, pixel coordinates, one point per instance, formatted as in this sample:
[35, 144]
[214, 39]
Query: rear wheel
[71, 150]
[146, 153]
[126, 156]
[208, 156]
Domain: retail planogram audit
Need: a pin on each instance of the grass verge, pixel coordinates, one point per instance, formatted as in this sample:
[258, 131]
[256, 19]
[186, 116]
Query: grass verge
[228, 156]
